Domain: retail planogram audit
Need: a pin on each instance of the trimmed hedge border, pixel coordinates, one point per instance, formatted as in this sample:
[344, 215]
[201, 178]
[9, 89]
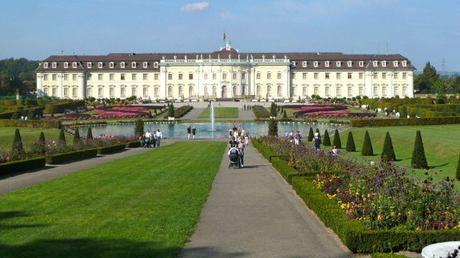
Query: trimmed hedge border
[182, 111]
[355, 235]
[405, 121]
[133, 144]
[22, 165]
[30, 123]
[111, 149]
[71, 156]
[260, 112]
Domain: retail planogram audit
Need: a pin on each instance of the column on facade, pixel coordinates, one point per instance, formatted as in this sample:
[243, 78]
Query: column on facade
[60, 85]
[288, 82]
[368, 80]
[82, 85]
[163, 91]
[252, 81]
[219, 84]
[391, 86]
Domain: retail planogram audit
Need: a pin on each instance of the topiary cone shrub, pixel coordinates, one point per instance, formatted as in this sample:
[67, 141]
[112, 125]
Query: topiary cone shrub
[89, 134]
[41, 143]
[139, 128]
[458, 169]
[273, 127]
[418, 155]
[310, 135]
[388, 153]
[326, 140]
[337, 142]
[61, 141]
[273, 110]
[76, 137]
[171, 111]
[367, 149]
[351, 147]
[285, 115]
[17, 142]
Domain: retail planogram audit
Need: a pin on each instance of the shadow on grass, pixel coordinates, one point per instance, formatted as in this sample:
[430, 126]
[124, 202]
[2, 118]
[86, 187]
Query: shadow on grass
[439, 166]
[13, 174]
[5, 215]
[113, 248]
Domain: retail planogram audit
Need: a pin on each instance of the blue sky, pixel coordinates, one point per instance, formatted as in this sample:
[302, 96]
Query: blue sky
[421, 30]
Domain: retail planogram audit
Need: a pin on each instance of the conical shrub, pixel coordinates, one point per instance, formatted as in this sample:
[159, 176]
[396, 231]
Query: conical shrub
[337, 142]
[273, 127]
[367, 149]
[89, 134]
[418, 155]
[61, 141]
[351, 147]
[17, 142]
[273, 110]
[76, 137]
[139, 128]
[310, 135]
[388, 153]
[41, 143]
[458, 169]
[326, 139]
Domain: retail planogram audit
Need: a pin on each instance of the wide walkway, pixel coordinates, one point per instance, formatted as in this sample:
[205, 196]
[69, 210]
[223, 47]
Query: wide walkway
[12, 182]
[253, 212]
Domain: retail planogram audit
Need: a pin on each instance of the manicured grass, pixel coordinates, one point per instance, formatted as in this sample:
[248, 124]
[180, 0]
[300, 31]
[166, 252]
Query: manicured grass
[441, 142]
[140, 206]
[221, 112]
[28, 136]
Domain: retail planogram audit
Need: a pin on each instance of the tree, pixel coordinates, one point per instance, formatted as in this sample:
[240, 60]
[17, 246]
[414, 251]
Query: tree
[388, 153]
[273, 127]
[76, 137]
[418, 155]
[17, 142]
[337, 142]
[350, 143]
[310, 135]
[425, 81]
[171, 111]
[458, 168]
[367, 149]
[326, 139]
[403, 113]
[62, 141]
[273, 109]
[89, 134]
[139, 128]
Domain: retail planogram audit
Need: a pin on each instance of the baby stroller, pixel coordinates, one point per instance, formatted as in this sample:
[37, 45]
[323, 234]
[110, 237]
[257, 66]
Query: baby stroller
[234, 157]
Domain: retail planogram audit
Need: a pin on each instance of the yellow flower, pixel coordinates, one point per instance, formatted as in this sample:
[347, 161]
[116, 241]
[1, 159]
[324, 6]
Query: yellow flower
[331, 196]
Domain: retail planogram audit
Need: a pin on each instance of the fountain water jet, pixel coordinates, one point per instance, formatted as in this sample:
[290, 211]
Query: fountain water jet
[211, 107]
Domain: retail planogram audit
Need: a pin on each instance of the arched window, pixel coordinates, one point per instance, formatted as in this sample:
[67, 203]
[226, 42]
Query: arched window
[170, 91]
[191, 90]
[278, 91]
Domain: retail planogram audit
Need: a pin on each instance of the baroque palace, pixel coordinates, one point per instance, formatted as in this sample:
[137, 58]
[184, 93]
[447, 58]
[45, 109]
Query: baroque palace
[225, 74]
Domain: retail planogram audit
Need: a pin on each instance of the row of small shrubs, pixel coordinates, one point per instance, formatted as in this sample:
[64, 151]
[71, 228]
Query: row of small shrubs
[182, 111]
[71, 156]
[60, 107]
[405, 121]
[30, 123]
[22, 165]
[353, 232]
[111, 149]
[260, 112]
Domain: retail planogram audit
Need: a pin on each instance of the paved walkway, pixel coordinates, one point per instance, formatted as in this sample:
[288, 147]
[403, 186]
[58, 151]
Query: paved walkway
[14, 182]
[194, 113]
[253, 212]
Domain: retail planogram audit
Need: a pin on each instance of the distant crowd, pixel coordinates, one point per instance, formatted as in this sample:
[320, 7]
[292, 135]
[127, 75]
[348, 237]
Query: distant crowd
[238, 140]
[151, 139]
[296, 138]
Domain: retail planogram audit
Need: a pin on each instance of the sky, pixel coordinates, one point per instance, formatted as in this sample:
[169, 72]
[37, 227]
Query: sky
[421, 30]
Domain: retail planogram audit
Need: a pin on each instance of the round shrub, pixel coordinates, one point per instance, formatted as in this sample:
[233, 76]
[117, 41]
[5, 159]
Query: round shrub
[367, 149]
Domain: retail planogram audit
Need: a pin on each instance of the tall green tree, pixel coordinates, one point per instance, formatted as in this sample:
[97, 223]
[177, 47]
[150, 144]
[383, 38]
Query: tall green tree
[388, 153]
[425, 81]
[273, 127]
[351, 147]
[337, 142]
[367, 149]
[418, 154]
[171, 110]
[17, 142]
[273, 110]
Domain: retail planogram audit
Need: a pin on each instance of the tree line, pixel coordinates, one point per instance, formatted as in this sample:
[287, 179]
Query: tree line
[17, 74]
[430, 81]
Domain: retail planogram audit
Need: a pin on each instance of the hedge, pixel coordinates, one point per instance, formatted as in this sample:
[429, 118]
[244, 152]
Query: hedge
[182, 111]
[54, 107]
[22, 165]
[353, 234]
[260, 112]
[111, 149]
[133, 144]
[405, 121]
[30, 123]
[71, 156]
[6, 115]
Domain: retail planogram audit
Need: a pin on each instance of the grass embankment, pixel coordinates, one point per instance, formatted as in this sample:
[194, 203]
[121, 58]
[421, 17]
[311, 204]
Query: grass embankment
[28, 136]
[221, 112]
[441, 142]
[140, 206]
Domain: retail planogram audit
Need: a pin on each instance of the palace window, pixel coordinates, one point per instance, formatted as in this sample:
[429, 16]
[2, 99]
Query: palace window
[395, 63]
[258, 75]
[326, 64]
[99, 77]
[155, 76]
[45, 77]
[89, 65]
[278, 76]
[304, 63]
[349, 63]
[155, 65]
[53, 65]
[74, 92]
[404, 90]
[100, 65]
[234, 76]
[396, 88]
[53, 77]
[45, 65]
[360, 75]
[404, 63]
[170, 76]
[338, 64]
[66, 76]
[224, 76]
[133, 91]
[326, 91]
[361, 63]
[112, 92]
[54, 92]
[100, 92]
[395, 75]
[66, 92]
[66, 65]
[133, 76]
[111, 76]
[269, 75]
[74, 64]
[214, 76]
[122, 76]
[180, 76]
[375, 75]
[375, 91]
[384, 91]
[315, 76]
[74, 77]
[361, 90]
[375, 63]
[384, 75]
[304, 90]
[315, 64]
[349, 91]
[404, 75]
[144, 76]
[111, 65]
[326, 75]
[190, 76]
[316, 90]
[122, 65]
[338, 90]
[337, 75]
[384, 63]
[145, 64]
[89, 76]
[144, 92]
[133, 64]
[155, 92]
[304, 76]
[243, 75]
[122, 92]
[350, 75]
[89, 92]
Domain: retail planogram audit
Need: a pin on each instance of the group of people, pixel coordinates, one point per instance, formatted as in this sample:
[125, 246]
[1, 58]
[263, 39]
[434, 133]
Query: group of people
[294, 137]
[238, 140]
[191, 132]
[151, 139]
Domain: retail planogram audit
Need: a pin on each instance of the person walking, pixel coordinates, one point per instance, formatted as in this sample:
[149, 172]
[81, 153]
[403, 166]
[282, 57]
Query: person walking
[193, 132]
[189, 132]
[317, 141]
[159, 135]
[297, 138]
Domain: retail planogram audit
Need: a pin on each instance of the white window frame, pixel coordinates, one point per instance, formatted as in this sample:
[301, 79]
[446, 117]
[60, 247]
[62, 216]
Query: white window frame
[384, 63]
[122, 65]
[100, 65]
[155, 65]
[111, 65]
[304, 63]
[404, 63]
[66, 65]
[338, 63]
[45, 65]
[361, 63]
[349, 63]
[145, 64]
[133, 64]
[53, 65]
[326, 63]
[395, 63]
[74, 64]
[315, 64]
[89, 65]
[375, 63]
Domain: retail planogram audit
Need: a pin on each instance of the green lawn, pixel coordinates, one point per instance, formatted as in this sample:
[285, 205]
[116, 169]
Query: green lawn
[221, 112]
[28, 136]
[441, 142]
[140, 206]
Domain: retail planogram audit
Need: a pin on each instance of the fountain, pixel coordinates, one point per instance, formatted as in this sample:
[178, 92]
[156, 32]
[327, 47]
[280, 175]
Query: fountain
[211, 107]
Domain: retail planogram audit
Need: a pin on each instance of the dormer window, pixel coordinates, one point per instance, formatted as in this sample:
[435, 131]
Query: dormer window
[361, 63]
[384, 63]
[326, 64]
[53, 65]
[375, 63]
[45, 65]
[293, 63]
[74, 64]
[89, 65]
[404, 63]
[111, 65]
[133, 65]
[122, 65]
[349, 63]
[304, 63]
[338, 64]
[395, 63]
[100, 65]
[155, 65]
[145, 64]
[315, 64]
[66, 65]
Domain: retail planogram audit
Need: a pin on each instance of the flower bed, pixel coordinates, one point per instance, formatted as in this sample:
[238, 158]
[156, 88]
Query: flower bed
[376, 208]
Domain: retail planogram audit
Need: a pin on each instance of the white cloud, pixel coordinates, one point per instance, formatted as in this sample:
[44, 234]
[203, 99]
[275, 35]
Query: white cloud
[195, 7]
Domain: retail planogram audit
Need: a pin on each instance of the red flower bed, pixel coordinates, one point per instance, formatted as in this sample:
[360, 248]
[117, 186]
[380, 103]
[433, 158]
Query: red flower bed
[122, 111]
